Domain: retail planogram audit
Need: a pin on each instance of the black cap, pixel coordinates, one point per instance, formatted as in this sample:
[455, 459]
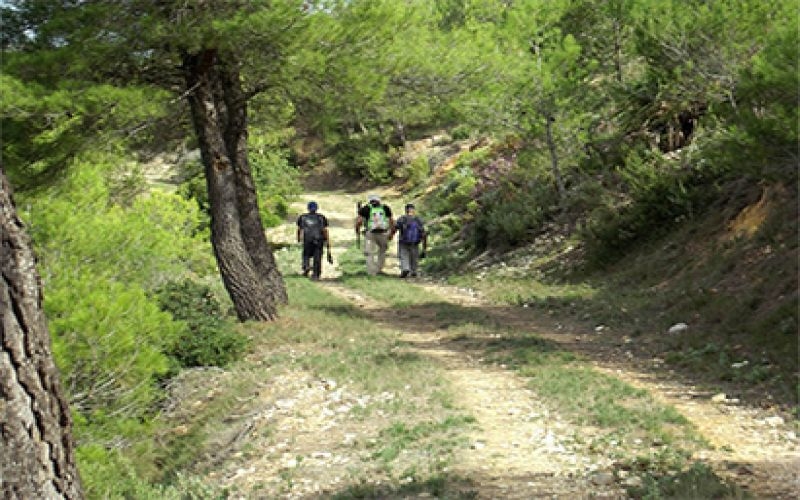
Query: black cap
[409, 206]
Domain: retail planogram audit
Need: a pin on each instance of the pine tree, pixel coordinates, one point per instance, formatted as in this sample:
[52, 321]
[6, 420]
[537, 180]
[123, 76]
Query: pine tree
[35, 415]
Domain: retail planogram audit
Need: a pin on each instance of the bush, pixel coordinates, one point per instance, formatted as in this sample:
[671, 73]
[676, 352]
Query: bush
[375, 165]
[109, 342]
[98, 260]
[455, 194]
[511, 214]
[97, 263]
[461, 132]
[764, 126]
[659, 197]
[276, 180]
[209, 339]
[110, 474]
[418, 170]
[364, 156]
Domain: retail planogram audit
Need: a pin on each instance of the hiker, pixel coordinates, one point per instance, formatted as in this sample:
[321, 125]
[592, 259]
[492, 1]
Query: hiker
[412, 233]
[312, 232]
[376, 218]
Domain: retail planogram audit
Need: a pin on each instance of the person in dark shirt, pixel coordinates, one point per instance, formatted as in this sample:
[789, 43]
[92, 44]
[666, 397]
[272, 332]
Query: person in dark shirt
[378, 223]
[312, 232]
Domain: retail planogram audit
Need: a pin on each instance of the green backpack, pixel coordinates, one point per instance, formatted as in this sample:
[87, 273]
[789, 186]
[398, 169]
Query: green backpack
[377, 222]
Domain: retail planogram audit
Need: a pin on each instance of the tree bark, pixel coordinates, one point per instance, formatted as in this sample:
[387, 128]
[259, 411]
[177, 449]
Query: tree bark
[37, 454]
[232, 209]
[247, 198]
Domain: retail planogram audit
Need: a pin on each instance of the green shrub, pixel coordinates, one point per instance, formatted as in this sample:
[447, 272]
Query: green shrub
[209, 339]
[375, 165]
[762, 138]
[364, 156]
[110, 474]
[98, 259]
[276, 180]
[455, 193]
[109, 342]
[512, 214]
[461, 132]
[418, 170]
[660, 196]
[97, 263]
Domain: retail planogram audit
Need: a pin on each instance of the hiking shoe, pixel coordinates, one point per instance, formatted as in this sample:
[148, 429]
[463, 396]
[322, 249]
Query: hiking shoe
[403, 274]
[413, 275]
[305, 272]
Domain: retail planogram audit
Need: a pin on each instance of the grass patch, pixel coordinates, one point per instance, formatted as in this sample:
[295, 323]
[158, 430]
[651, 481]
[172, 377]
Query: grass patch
[444, 435]
[391, 289]
[339, 342]
[523, 289]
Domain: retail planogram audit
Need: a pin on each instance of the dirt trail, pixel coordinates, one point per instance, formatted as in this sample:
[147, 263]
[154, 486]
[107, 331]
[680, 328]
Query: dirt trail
[519, 449]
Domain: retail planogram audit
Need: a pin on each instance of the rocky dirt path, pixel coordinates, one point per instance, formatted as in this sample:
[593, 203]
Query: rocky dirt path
[519, 449]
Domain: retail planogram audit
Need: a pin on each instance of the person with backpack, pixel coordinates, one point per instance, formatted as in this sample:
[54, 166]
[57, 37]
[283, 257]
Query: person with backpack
[312, 232]
[378, 223]
[412, 233]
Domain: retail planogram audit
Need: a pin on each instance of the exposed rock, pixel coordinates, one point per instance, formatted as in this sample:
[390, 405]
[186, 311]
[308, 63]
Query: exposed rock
[678, 328]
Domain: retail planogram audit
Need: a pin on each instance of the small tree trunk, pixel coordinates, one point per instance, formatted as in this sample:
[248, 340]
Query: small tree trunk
[37, 457]
[250, 294]
[618, 50]
[551, 145]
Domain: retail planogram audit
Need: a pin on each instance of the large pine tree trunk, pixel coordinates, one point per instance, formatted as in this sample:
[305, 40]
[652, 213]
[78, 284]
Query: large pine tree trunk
[240, 254]
[37, 458]
[247, 198]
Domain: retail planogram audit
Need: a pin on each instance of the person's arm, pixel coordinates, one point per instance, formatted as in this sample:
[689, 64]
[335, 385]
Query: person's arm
[325, 233]
[299, 230]
[392, 227]
[399, 225]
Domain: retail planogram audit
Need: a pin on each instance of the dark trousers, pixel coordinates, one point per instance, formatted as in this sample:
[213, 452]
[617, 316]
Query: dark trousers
[312, 251]
[409, 257]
